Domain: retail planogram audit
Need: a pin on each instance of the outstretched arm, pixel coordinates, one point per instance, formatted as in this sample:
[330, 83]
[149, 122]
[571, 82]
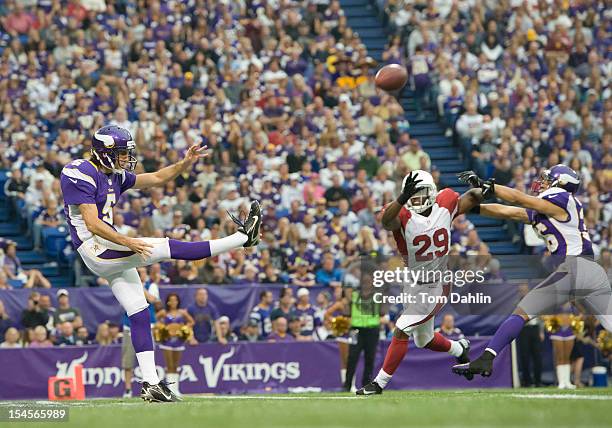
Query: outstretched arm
[470, 199]
[516, 197]
[389, 219]
[169, 173]
[504, 212]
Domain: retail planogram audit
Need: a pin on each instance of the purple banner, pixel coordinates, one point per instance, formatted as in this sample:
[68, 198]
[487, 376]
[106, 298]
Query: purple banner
[235, 368]
[98, 304]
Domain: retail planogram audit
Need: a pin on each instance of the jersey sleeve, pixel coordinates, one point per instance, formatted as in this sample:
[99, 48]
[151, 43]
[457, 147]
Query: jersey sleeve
[128, 179]
[560, 199]
[77, 187]
[449, 199]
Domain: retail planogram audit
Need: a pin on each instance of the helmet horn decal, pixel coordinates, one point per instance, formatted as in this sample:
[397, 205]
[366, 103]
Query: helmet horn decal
[108, 140]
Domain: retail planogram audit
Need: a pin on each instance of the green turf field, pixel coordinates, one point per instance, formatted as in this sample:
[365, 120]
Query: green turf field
[394, 409]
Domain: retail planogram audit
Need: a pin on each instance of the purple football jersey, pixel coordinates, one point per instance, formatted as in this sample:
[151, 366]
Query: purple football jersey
[563, 238]
[83, 183]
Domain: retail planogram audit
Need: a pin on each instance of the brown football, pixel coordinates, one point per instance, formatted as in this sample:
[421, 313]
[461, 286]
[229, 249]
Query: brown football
[391, 77]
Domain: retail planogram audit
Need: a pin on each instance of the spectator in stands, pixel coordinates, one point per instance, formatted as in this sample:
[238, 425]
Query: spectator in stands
[103, 336]
[261, 313]
[16, 187]
[14, 271]
[415, 157]
[64, 311]
[50, 217]
[302, 277]
[34, 315]
[469, 128]
[328, 274]
[420, 75]
[12, 339]
[65, 334]
[82, 336]
[225, 334]
[295, 330]
[447, 328]
[285, 305]
[5, 321]
[162, 217]
[40, 338]
[205, 317]
[250, 332]
[280, 331]
[306, 313]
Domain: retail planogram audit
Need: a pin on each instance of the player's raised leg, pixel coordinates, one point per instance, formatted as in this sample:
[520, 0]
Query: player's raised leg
[247, 236]
[106, 258]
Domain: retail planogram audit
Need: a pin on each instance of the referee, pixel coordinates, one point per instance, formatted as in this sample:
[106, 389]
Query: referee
[365, 332]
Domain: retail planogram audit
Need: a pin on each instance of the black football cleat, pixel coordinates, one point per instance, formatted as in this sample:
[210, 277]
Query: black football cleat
[371, 388]
[159, 393]
[464, 358]
[483, 366]
[250, 227]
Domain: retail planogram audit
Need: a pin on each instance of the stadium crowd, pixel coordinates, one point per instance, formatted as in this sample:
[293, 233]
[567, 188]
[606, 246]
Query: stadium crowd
[284, 99]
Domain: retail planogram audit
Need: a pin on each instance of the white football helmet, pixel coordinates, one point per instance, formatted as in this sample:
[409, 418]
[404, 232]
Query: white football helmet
[425, 197]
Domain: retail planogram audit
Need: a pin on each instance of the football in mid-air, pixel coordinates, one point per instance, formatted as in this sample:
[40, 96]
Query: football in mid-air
[391, 77]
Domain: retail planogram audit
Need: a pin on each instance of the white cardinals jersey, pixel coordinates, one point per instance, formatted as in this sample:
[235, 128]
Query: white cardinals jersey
[425, 241]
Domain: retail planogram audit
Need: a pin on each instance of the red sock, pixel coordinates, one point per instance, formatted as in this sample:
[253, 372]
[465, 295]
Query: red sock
[439, 343]
[395, 355]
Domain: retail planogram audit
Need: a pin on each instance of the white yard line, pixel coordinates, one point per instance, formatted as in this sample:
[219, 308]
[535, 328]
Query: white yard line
[272, 397]
[563, 396]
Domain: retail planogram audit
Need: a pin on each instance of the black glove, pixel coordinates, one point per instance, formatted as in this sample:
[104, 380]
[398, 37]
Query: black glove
[488, 188]
[471, 178]
[409, 189]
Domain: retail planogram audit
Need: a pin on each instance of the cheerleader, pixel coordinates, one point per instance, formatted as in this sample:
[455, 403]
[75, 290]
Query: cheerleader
[174, 320]
[563, 342]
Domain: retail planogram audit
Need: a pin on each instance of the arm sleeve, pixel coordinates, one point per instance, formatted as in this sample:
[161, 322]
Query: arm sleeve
[77, 191]
[449, 199]
[531, 214]
[128, 180]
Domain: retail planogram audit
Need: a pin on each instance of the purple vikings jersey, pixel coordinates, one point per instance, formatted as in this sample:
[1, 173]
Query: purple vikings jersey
[308, 319]
[83, 183]
[563, 238]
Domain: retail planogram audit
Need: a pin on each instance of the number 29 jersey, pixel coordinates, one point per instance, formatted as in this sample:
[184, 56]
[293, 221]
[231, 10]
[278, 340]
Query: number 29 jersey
[424, 241]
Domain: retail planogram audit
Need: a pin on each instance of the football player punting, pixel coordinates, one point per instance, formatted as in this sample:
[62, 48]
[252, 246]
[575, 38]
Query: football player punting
[91, 188]
[557, 216]
[421, 220]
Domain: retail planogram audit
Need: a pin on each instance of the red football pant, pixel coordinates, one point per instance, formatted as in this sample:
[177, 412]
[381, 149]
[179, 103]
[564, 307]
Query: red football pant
[395, 354]
[439, 343]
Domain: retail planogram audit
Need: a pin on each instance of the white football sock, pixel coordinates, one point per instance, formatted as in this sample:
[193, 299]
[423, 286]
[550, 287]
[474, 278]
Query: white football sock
[456, 349]
[560, 375]
[146, 362]
[382, 378]
[173, 382]
[567, 375]
[218, 246]
[343, 375]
